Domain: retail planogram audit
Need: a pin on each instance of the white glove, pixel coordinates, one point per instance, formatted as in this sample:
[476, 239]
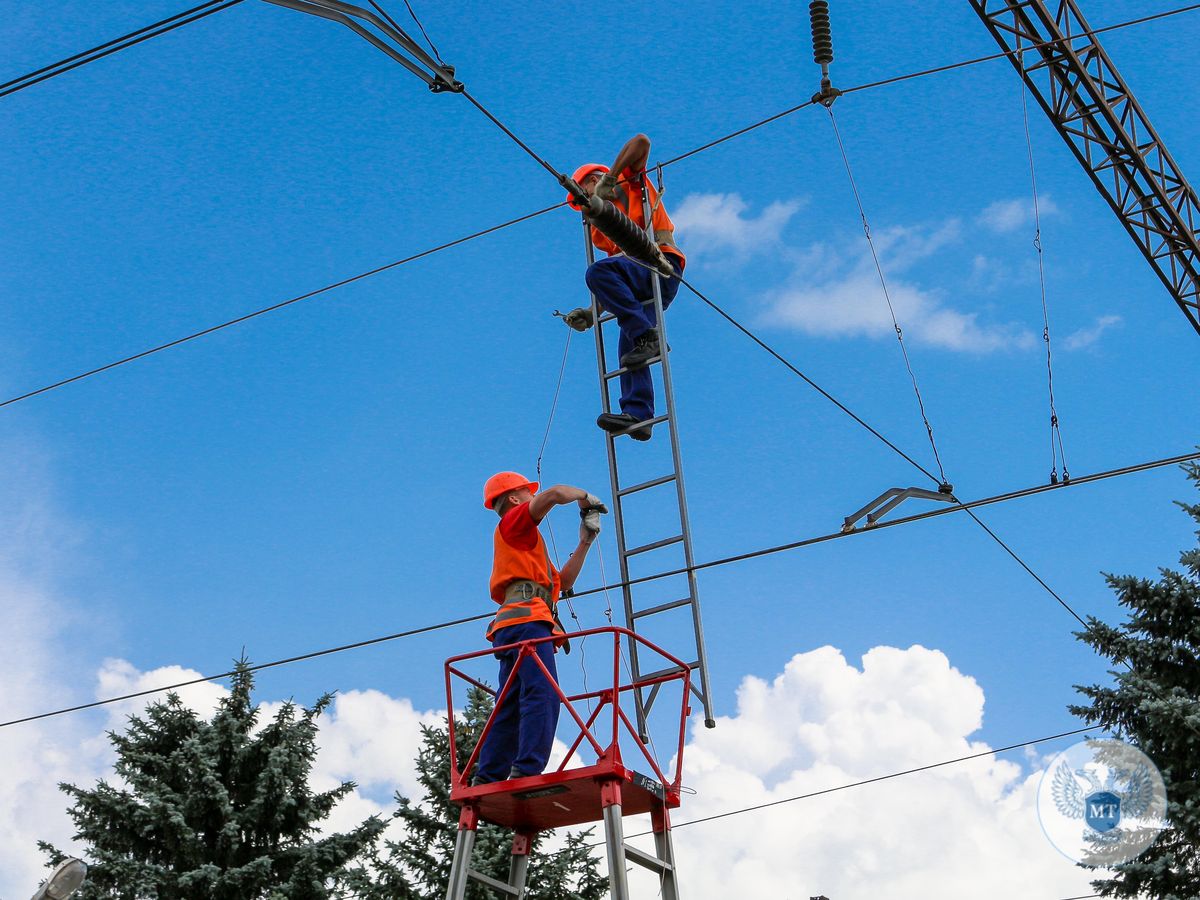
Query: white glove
[591, 501]
[580, 318]
[589, 526]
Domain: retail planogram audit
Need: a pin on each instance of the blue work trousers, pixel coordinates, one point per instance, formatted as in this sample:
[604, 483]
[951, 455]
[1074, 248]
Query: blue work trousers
[523, 730]
[621, 285]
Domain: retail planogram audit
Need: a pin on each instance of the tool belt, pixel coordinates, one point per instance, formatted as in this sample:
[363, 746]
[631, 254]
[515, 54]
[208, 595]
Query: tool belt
[527, 590]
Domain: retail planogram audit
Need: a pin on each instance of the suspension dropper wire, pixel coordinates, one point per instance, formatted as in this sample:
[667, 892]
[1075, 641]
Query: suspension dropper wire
[1058, 452]
[887, 296]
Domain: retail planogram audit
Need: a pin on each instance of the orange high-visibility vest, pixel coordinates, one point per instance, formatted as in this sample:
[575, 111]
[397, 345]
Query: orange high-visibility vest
[510, 564]
[629, 201]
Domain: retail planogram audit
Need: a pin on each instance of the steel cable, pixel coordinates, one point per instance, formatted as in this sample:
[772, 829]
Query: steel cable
[740, 557]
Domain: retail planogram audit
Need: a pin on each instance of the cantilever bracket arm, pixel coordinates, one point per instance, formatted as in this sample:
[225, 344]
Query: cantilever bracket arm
[439, 77]
[893, 497]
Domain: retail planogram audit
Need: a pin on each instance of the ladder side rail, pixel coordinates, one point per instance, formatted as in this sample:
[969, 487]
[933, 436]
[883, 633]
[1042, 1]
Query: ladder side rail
[1165, 203]
[613, 477]
[702, 688]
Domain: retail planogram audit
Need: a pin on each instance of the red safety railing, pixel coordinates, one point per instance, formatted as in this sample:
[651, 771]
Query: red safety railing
[605, 742]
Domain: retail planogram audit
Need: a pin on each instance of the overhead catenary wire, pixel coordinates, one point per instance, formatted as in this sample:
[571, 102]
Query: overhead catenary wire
[869, 781]
[723, 561]
[992, 534]
[703, 147]
[432, 46]
[800, 374]
[115, 45]
[275, 306]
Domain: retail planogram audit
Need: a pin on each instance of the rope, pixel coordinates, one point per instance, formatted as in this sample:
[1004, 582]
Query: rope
[887, 296]
[553, 407]
[1055, 432]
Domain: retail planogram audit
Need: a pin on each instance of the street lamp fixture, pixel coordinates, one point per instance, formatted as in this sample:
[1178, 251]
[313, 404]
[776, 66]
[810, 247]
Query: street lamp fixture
[63, 881]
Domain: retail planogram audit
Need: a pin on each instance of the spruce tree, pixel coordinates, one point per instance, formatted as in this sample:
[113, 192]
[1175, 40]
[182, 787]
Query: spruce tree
[418, 866]
[214, 810]
[1154, 704]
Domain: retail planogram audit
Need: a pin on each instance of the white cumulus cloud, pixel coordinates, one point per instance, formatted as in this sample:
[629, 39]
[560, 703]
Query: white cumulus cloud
[1086, 337]
[716, 223]
[836, 292]
[968, 830]
[1006, 216]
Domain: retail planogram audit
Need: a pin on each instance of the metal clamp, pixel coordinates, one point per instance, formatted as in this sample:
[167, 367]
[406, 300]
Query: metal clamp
[893, 497]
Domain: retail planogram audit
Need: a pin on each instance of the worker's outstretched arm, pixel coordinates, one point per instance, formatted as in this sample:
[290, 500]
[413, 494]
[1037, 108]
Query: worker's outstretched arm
[570, 571]
[558, 495]
[634, 155]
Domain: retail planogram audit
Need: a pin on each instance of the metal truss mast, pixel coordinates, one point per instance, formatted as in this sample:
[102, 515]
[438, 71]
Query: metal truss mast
[1075, 82]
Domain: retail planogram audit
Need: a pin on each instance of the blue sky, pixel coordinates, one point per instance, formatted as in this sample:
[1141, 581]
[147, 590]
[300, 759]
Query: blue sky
[312, 477]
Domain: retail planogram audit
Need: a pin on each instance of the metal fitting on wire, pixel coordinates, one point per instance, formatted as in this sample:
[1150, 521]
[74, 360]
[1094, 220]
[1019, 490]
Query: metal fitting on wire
[822, 41]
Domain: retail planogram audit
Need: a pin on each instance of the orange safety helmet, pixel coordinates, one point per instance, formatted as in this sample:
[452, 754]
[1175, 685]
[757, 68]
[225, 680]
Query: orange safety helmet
[503, 482]
[581, 173]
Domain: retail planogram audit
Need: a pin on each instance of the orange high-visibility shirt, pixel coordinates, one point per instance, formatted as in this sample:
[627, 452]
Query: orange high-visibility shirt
[629, 201]
[519, 554]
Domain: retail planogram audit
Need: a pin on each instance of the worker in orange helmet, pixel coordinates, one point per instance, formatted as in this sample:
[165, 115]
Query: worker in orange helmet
[527, 586]
[623, 286]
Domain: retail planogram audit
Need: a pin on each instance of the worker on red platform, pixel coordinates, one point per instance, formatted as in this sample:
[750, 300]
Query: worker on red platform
[527, 586]
[622, 286]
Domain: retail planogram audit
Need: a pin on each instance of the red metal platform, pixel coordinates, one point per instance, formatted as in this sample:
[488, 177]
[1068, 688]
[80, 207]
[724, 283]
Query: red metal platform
[574, 796]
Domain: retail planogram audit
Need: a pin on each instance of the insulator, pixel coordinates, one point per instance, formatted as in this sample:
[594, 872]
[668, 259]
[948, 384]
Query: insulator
[822, 35]
[623, 231]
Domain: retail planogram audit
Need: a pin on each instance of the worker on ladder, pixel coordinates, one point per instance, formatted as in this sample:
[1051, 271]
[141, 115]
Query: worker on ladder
[625, 287]
[527, 586]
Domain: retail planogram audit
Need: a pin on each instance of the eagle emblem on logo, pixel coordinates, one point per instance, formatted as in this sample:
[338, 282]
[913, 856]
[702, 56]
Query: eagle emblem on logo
[1125, 793]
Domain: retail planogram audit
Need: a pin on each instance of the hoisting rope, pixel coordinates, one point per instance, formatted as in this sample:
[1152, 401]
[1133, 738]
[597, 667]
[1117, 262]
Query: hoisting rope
[553, 405]
[1055, 432]
[887, 296]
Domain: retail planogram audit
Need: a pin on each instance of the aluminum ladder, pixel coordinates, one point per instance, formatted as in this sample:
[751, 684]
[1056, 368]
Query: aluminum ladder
[638, 611]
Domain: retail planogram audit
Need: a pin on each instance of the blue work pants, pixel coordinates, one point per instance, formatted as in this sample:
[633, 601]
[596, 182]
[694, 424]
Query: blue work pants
[522, 731]
[621, 285]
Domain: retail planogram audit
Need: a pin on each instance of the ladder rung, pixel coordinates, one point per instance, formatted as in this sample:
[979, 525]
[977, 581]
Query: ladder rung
[662, 607]
[609, 376]
[657, 420]
[647, 676]
[494, 884]
[648, 860]
[655, 482]
[608, 317]
[654, 545]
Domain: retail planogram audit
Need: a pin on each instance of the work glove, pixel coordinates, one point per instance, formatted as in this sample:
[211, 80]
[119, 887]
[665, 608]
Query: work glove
[589, 526]
[580, 318]
[606, 188]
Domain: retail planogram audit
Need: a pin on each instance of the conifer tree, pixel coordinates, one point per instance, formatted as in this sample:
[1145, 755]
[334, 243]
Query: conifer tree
[418, 866]
[214, 810]
[1154, 704]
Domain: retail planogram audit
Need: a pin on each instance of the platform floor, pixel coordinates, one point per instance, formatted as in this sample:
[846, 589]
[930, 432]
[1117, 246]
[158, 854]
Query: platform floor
[559, 799]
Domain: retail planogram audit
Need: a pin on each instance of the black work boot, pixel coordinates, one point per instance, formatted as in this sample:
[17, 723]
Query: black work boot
[617, 423]
[646, 347]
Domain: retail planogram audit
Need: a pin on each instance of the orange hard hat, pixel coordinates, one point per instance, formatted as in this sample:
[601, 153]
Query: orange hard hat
[581, 173]
[503, 482]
